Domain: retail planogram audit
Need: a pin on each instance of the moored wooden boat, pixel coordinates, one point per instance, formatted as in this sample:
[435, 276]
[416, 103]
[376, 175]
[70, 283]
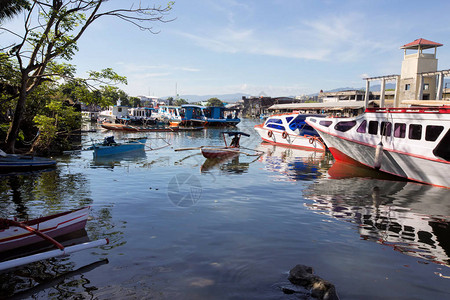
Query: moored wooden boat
[16, 162]
[112, 126]
[15, 235]
[228, 150]
[110, 147]
[151, 129]
[219, 152]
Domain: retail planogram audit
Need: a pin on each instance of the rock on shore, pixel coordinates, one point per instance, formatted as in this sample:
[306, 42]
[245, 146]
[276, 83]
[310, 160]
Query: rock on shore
[318, 287]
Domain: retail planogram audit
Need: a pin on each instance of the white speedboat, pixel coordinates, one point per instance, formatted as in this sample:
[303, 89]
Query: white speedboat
[412, 143]
[290, 130]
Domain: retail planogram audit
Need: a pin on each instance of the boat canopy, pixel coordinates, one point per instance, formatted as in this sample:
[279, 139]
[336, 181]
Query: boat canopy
[234, 133]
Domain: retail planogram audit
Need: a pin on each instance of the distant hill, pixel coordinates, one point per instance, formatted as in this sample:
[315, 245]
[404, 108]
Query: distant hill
[225, 97]
[238, 96]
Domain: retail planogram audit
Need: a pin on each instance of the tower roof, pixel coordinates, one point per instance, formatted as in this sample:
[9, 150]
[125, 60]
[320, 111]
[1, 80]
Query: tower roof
[422, 44]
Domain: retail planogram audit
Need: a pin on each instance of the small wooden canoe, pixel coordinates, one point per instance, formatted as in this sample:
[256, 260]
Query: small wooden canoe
[15, 234]
[111, 126]
[219, 152]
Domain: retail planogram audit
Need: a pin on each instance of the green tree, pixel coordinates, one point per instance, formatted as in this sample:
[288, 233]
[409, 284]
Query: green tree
[214, 102]
[180, 102]
[51, 31]
[135, 101]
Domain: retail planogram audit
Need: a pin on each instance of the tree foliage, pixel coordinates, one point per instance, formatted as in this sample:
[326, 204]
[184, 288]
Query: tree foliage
[50, 34]
[214, 102]
[180, 102]
[10, 8]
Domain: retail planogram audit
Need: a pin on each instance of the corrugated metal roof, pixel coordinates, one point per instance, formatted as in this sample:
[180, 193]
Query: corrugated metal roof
[317, 105]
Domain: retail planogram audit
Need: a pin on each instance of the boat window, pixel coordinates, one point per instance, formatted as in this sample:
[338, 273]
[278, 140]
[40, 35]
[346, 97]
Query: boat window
[277, 121]
[386, 128]
[442, 150]
[432, 132]
[362, 127]
[345, 125]
[415, 131]
[298, 122]
[326, 123]
[275, 126]
[400, 130]
[373, 127]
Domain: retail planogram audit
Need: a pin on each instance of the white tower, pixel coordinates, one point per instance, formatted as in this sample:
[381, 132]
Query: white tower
[414, 85]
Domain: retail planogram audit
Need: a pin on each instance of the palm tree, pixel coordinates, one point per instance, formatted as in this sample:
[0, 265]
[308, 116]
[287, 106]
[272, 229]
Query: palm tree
[9, 9]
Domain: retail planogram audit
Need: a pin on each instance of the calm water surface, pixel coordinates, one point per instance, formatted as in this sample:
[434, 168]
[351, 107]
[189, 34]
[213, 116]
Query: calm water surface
[181, 227]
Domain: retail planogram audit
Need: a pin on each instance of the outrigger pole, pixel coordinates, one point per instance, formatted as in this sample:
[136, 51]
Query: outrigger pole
[49, 254]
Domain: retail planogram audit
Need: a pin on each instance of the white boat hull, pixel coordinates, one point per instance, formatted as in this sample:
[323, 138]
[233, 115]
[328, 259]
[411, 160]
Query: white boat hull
[291, 140]
[414, 145]
[396, 163]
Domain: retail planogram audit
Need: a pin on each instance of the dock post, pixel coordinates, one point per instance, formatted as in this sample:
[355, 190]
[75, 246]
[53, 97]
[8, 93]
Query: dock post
[366, 97]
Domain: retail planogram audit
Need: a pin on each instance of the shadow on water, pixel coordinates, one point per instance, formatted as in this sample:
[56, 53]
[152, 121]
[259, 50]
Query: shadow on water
[412, 218]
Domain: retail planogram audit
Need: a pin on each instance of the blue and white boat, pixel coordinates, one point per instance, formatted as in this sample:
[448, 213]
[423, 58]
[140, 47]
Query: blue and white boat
[192, 115]
[110, 147]
[290, 130]
[220, 116]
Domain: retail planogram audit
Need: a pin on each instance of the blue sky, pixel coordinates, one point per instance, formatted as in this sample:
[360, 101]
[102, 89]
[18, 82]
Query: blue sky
[279, 47]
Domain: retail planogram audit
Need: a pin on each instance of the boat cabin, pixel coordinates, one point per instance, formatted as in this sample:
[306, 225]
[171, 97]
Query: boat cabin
[113, 113]
[220, 116]
[140, 114]
[292, 122]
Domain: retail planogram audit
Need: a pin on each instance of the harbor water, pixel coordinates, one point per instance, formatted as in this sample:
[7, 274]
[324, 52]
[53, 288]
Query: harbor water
[183, 227]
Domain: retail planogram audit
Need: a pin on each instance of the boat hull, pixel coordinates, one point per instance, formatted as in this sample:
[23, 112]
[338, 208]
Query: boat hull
[13, 163]
[291, 140]
[411, 143]
[53, 226]
[215, 153]
[395, 163]
[111, 126]
[101, 150]
[221, 122]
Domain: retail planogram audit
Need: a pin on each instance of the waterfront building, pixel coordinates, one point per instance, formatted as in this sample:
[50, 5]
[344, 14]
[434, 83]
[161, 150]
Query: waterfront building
[420, 83]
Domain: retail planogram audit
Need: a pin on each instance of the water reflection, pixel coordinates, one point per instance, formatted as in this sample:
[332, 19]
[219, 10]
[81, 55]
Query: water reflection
[44, 193]
[237, 164]
[120, 159]
[33, 195]
[293, 164]
[411, 218]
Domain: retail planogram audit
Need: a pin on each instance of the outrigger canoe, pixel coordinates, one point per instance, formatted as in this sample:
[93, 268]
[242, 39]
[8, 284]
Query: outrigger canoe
[15, 235]
[228, 150]
[16, 162]
[218, 152]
